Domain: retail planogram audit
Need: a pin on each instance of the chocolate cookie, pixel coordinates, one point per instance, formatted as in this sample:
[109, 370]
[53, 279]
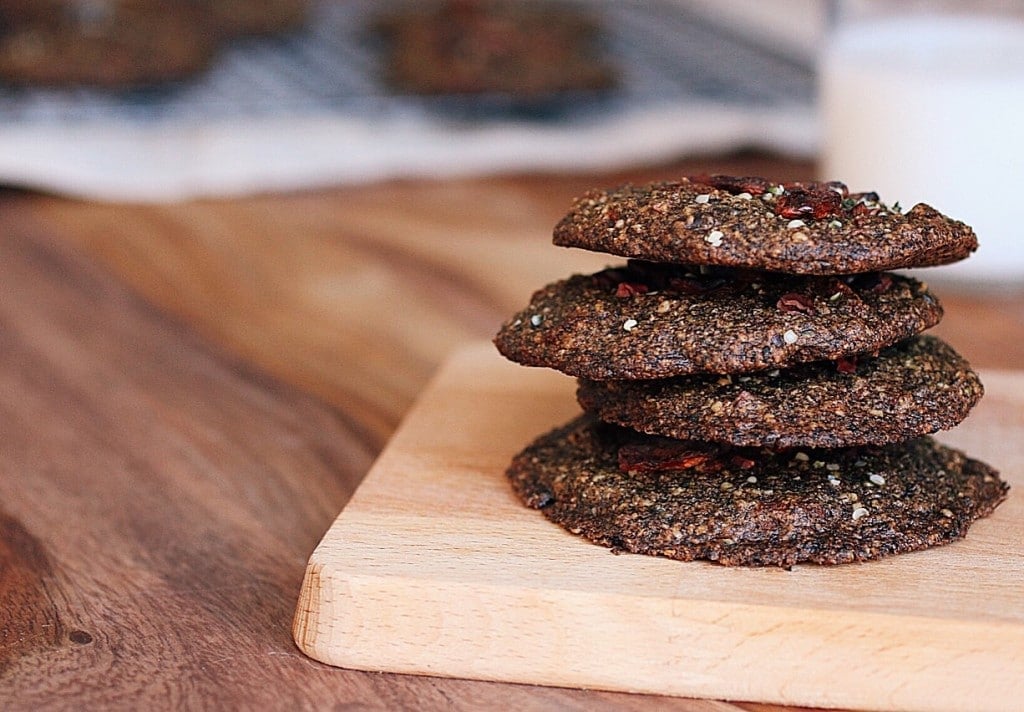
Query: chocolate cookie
[914, 388]
[687, 500]
[111, 43]
[810, 228]
[647, 320]
[15, 13]
[529, 50]
[235, 18]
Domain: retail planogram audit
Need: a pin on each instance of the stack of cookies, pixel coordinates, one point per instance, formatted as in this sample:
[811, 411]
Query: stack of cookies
[755, 385]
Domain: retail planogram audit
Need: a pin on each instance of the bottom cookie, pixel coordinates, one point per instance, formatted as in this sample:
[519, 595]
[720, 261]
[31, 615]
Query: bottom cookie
[746, 506]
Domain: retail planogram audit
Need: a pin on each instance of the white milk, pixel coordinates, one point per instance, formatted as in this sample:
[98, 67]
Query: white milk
[931, 109]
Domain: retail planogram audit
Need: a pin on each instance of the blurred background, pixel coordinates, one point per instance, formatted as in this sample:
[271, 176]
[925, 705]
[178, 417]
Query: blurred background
[145, 101]
[353, 91]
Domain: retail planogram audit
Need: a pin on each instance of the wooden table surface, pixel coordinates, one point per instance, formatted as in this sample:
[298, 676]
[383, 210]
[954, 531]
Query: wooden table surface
[190, 393]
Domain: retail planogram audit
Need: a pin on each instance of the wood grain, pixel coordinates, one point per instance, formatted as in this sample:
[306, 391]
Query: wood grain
[354, 295]
[159, 500]
[436, 568]
[159, 496]
[153, 497]
[189, 394]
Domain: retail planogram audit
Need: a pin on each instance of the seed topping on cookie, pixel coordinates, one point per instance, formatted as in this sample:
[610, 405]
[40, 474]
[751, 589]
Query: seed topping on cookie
[749, 222]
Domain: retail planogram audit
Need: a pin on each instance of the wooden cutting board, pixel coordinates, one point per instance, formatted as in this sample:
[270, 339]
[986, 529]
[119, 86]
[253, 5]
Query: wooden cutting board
[435, 568]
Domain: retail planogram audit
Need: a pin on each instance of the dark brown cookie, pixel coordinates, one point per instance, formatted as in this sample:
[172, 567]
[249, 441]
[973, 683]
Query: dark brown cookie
[686, 500]
[519, 50]
[914, 388]
[647, 320]
[16, 13]
[811, 228]
[109, 43]
[235, 18]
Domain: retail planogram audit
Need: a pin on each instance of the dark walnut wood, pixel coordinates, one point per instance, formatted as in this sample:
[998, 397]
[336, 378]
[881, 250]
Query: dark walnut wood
[190, 393]
[158, 501]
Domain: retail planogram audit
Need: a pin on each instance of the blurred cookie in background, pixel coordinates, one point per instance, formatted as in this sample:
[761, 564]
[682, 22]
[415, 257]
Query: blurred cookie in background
[15, 12]
[104, 43]
[525, 50]
[124, 44]
[236, 18]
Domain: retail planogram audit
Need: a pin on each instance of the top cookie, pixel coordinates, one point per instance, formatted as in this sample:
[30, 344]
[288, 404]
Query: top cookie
[798, 228]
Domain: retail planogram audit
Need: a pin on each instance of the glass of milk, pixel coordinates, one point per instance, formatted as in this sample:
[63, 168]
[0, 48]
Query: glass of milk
[928, 106]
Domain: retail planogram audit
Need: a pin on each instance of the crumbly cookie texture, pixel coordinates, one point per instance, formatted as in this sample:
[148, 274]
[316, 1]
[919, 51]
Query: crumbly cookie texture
[647, 320]
[798, 228]
[914, 388]
[740, 506]
[755, 386]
